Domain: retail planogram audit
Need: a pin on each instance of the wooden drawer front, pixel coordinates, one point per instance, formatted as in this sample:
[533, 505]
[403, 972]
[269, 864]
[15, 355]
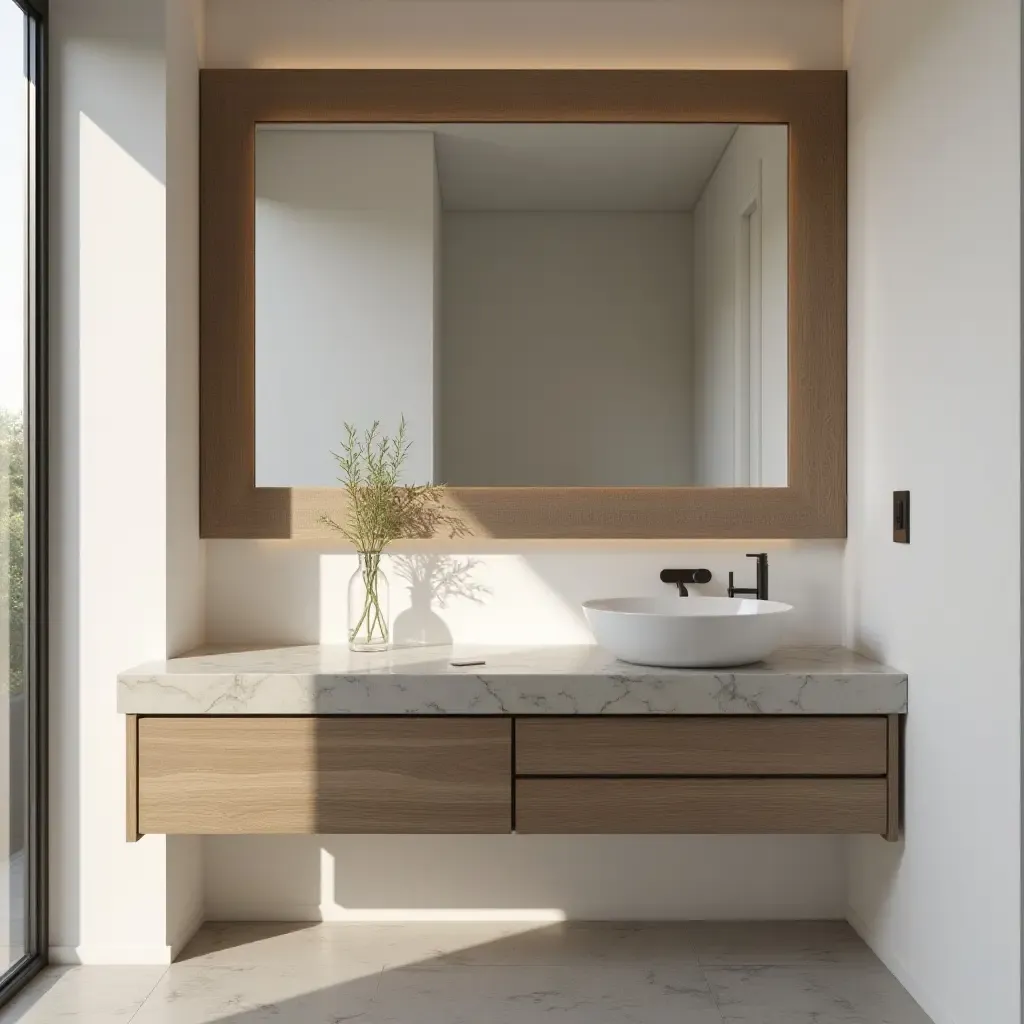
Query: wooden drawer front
[701, 805]
[748, 745]
[309, 775]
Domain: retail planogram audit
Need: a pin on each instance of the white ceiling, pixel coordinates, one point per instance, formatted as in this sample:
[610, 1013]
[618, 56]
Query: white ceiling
[568, 166]
[577, 166]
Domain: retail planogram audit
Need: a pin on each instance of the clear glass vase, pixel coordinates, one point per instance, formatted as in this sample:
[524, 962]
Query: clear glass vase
[368, 623]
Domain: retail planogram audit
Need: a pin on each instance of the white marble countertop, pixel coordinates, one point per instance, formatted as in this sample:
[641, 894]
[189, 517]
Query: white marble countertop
[577, 680]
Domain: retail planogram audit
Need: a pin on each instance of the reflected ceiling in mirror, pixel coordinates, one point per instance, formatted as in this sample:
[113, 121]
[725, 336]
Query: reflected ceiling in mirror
[548, 305]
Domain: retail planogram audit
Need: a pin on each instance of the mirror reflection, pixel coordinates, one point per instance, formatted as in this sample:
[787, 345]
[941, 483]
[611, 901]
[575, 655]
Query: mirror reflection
[549, 305]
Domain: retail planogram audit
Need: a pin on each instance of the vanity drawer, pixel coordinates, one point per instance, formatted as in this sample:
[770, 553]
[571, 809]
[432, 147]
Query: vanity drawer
[705, 806]
[702, 745]
[219, 775]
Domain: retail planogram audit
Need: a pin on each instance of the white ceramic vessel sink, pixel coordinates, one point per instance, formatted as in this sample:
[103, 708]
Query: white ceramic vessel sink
[687, 632]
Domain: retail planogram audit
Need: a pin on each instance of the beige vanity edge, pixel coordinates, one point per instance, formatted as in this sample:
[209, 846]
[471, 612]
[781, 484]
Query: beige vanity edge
[555, 680]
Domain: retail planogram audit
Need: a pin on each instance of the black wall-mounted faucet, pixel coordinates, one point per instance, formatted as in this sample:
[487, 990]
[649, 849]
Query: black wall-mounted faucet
[760, 591]
[682, 577]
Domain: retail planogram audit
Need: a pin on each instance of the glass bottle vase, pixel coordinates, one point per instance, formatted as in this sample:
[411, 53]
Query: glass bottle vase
[368, 623]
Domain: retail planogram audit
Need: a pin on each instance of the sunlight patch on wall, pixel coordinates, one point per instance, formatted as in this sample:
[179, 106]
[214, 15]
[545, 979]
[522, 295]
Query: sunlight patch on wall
[447, 598]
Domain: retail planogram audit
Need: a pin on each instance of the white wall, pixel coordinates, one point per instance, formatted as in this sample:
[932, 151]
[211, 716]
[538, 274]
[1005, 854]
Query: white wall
[435, 369]
[751, 177]
[120, 450]
[289, 591]
[534, 878]
[525, 594]
[345, 240]
[567, 349]
[935, 407]
[525, 33]
[186, 576]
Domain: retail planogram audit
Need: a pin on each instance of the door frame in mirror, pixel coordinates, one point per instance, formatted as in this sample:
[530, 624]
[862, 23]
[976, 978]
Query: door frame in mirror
[811, 103]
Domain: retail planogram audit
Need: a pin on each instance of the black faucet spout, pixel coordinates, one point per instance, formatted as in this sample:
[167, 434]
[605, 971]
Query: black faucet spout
[683, 577]
[760, 589]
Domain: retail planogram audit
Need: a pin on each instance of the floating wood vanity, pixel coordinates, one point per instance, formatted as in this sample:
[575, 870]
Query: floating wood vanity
[548, 740]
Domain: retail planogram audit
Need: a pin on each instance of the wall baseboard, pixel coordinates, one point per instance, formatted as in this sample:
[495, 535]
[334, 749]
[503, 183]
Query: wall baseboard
[111, 956]
[263, 910]
[313, 912]
[192, 922]
[130, 956]
[910, 981]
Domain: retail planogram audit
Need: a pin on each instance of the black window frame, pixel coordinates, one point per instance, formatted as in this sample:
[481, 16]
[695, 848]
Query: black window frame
[36, 518]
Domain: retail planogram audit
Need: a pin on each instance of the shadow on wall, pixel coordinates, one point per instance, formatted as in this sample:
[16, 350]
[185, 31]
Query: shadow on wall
[524, 878]
[439, 580]
[573, 877]
[283, 592]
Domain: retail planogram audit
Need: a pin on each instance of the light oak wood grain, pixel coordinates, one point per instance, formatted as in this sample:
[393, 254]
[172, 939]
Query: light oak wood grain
[747, 745]
[705, 806]
[324, 775]
[811, 103]
[132, 778]
[894, 779]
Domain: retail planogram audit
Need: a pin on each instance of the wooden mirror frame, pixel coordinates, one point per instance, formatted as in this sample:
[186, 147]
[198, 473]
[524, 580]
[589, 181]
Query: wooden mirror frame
[811, 103]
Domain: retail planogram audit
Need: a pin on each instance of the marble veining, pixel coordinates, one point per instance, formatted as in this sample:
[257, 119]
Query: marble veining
[782, 972]
[566, 680]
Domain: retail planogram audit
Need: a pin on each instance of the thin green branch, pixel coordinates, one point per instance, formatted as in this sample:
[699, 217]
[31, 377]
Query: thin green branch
[380, 510]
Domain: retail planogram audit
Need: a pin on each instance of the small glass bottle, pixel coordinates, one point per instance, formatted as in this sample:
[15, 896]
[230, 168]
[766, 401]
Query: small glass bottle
[368, 623]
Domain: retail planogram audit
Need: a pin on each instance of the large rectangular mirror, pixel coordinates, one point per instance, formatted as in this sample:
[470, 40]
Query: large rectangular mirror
[609, 304]
[547, 305]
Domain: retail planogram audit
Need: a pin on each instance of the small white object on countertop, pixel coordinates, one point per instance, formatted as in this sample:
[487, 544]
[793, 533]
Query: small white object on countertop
[557, 680]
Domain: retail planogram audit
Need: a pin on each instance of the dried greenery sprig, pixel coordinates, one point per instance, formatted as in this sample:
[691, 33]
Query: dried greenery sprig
[380, 509]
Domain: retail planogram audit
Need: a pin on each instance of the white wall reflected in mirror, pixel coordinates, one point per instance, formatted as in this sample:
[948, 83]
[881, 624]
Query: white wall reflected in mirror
[546, 304]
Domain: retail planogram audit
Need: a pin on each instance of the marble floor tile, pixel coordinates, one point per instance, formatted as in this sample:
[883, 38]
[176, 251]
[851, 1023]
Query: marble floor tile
[429, 944]
[83, 995]
[740, 943]
[824, 994]
[428, 973]
[581, 944]
[527, 995]
[347, 945]
[780, 943]
[315, 993]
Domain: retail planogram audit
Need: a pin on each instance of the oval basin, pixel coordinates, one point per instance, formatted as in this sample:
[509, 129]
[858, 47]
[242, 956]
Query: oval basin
[687, 632]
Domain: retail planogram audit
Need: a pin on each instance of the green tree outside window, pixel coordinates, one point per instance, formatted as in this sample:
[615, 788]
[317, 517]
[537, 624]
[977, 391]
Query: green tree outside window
[12, 543]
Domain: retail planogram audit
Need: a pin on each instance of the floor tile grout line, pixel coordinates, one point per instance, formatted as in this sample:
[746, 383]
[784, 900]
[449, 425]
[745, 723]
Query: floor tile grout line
[711, 992]
[668, 962]
[799, 965]
[376, 988]
[145, 998]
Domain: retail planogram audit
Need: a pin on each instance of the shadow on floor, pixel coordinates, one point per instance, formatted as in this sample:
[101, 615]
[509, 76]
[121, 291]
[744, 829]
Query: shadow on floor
[439, 973]
[797, 972]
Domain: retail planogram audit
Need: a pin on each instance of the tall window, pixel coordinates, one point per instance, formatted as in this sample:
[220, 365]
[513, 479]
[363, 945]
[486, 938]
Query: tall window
[22, 491]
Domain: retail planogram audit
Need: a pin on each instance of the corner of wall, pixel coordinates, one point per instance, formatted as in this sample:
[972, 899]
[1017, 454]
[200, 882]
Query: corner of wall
[890, 956]
[851, 13]
[109, 956]
[186, 905]
[186, 553]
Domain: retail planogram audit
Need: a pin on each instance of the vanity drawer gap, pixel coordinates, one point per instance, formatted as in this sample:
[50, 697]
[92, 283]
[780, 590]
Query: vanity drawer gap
[709, 745]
